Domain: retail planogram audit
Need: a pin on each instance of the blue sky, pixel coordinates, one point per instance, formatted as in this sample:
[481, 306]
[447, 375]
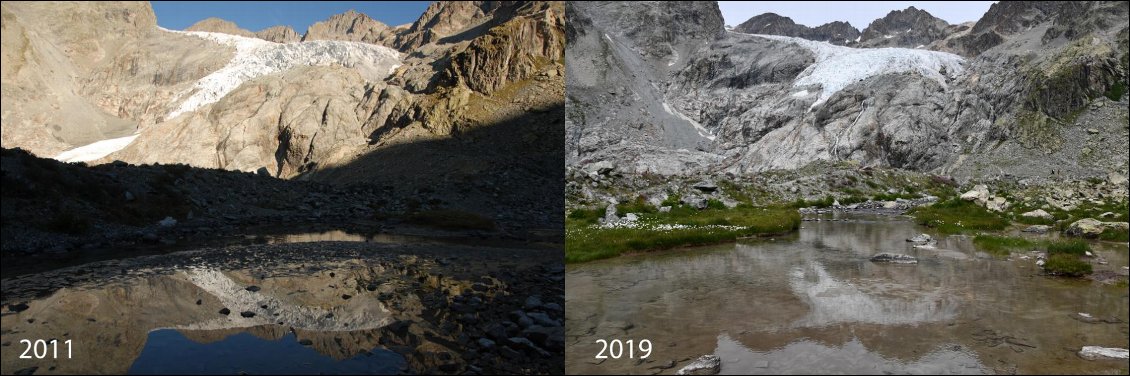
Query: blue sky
[858, 13]
[256, 15]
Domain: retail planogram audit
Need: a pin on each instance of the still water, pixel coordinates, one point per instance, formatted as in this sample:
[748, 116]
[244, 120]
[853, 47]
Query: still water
[812, 302]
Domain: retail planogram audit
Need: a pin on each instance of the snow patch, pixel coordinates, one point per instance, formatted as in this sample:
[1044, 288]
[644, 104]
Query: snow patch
[836, 67]
[608, 37]
[698, 127]
[802, 93]
[90, 152]
[255, 57]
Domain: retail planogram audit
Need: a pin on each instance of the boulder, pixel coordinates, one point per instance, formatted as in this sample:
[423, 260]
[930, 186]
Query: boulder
[996, 204]
[894, 258]
[610, 214]
[1090, 227]
[704, 365]
[921, 239]
[1098, 352]
[980, 193]
[631, 217]
[1038, 213]
[167, 222]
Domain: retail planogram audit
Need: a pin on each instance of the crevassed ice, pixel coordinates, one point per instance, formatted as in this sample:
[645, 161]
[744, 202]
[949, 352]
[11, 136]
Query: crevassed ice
[836, 67]
[255, 57]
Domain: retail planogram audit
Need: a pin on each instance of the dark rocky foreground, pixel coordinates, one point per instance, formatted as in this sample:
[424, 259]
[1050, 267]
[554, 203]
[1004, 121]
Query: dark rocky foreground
[445, 308]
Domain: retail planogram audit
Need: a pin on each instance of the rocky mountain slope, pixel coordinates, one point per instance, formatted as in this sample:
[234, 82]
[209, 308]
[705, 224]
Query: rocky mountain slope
[838, 33]
[699, 100]
[341, 104]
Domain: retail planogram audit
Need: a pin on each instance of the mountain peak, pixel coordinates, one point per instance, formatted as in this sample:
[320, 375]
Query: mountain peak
[219, 25]
[351, 26]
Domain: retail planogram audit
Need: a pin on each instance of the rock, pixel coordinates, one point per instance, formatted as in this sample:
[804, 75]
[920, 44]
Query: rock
[486, 343]
[664, 209]
[1038, 213]
[346, 296]
[1037, 229]
[129, 196]
[1090, 227]
[305, 342]
[247, 314]
[696, 202]
[706, 186]
[1097, 352]
[1116, 178]
[610, 214]
[894, 258]
[704, 365]
[1041, 262]
[252, 288]
[225, 311]
[167, 222]
[631, 217]
[532, 302]
[921, 239]
[199, 301]
[980, 193]
[997, 204]
[542, 319]
[601, 168]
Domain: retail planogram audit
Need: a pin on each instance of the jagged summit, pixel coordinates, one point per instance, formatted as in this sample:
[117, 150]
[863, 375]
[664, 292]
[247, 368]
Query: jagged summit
[837, 32]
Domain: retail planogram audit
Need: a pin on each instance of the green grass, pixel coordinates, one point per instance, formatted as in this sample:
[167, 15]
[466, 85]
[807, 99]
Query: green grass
[1115, 235]
[585, 242]
[955, 216]
[1000, 245]
[1067, 265]
[1068, 247]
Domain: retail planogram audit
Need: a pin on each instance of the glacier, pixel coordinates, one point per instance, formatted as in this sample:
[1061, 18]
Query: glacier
[255, 57]
[836, 67]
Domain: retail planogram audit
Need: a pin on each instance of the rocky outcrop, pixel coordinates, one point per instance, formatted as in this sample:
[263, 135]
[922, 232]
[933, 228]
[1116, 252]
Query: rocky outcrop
[911, 28]
[512, 51]
[219, 25]
[279, 34]
[838, 32]
[740, 104]
[351, 26]
[66, 86]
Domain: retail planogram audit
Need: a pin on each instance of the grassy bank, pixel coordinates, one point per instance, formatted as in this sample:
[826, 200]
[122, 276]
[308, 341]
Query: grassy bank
[955, 216]
[1064, 256]
[586, 240]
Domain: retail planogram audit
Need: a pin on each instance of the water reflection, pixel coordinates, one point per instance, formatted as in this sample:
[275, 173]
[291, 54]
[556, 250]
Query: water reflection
[817, 292]
[852, 357]
[148, 322]
[175, 352]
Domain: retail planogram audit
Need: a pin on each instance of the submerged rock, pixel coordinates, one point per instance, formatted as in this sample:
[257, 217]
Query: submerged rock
[704, 365]
[921, 239]
[1098, 352]
[894, 258]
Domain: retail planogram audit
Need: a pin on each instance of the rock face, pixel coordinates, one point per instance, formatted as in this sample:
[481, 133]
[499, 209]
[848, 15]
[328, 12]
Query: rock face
[279, 34]
[838, 33]
[351, 26]
[668, 96]
[909, 28]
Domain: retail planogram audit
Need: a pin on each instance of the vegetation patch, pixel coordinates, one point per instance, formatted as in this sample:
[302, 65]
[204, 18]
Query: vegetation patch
[1068, 247]
[681, 227]
[1067, 265]
[955, 216]
[1000, 245]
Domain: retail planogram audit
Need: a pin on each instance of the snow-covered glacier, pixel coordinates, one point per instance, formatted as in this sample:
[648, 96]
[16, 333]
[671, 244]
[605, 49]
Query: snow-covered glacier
[255, 57]
[836, 67]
